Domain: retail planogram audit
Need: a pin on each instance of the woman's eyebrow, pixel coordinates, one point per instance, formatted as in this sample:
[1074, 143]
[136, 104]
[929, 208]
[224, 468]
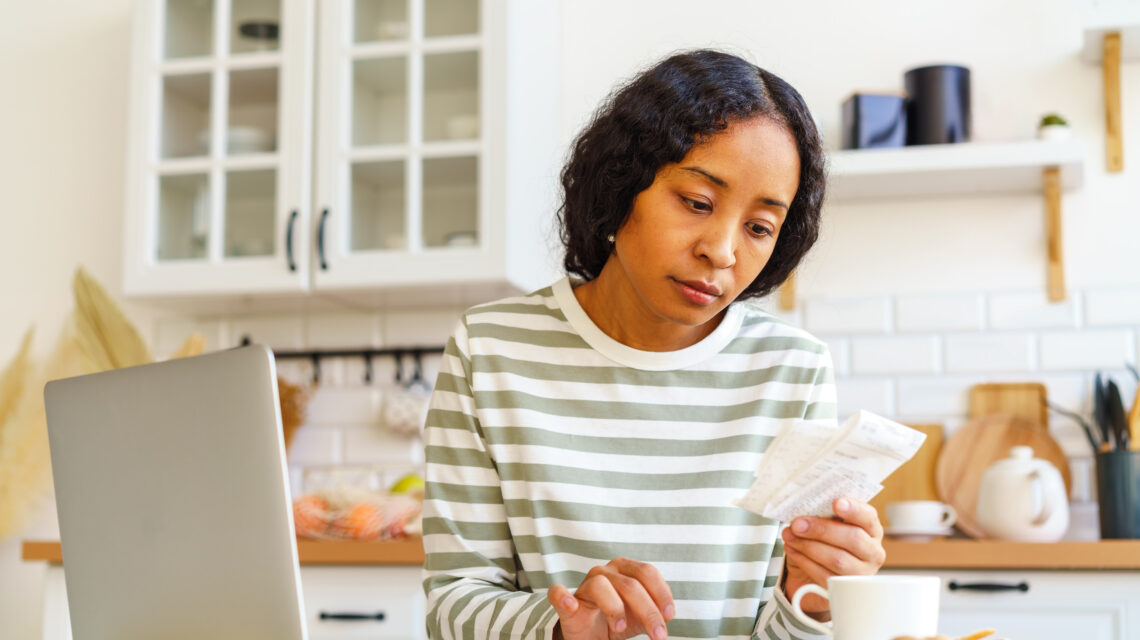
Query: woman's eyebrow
[724, 185]
[701, 172]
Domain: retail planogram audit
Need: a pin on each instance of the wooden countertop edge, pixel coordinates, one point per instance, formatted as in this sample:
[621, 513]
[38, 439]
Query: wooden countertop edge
[997, 554]
[309, 552]
[938, 554]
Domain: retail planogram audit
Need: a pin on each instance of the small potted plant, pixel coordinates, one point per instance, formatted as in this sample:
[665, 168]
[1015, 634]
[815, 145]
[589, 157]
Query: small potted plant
[1052, 127]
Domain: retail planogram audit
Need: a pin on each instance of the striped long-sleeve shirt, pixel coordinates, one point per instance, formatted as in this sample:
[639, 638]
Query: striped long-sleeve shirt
[552, 448]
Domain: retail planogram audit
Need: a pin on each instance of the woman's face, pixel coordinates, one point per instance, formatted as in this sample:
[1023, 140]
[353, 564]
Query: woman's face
[705, 228]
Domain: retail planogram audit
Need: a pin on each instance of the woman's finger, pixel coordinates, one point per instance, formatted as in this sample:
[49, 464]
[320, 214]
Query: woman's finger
[640, 605]
[651, 579]
[597, 590]
[815, 572]
[565, 604]
[848, 537]
[836, 560]
[860, 514]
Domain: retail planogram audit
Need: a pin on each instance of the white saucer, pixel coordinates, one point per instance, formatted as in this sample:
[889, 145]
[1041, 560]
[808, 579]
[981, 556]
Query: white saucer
[918, 534]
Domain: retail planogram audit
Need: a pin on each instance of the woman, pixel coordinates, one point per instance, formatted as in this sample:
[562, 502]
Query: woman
[585, 441]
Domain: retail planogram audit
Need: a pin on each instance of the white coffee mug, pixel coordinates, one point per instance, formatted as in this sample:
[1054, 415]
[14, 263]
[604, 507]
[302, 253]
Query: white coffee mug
[921, 515]
[875, 607]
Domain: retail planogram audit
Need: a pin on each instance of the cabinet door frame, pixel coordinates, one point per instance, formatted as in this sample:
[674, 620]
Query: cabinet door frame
[344, 269]
[143, 273]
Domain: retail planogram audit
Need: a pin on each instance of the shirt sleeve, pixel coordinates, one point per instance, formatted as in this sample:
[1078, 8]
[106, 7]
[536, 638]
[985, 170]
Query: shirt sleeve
[776, 620]
[471, 568]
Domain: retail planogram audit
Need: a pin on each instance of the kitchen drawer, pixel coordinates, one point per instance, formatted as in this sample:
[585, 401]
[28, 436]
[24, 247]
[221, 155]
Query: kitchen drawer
[396, 592]
[1087, 605]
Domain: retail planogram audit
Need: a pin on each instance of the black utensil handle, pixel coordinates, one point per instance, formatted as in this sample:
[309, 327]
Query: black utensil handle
[326, 615]
[321, 239]
[289, 241]
[988, 586]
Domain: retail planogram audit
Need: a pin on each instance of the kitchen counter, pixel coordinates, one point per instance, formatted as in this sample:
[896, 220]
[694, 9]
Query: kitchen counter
[998, 554]
[939, 554]
[309, 552]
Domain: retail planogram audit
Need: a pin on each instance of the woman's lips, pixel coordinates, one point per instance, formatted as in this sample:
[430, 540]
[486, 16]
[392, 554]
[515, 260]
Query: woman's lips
[698, 292]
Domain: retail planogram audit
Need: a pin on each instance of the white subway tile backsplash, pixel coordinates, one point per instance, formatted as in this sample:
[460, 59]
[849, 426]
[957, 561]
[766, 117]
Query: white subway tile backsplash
[1070, 391]
[847, 315]
[1093, 349]
[894, 355]
[1112, 307]
[370, 444]
[873, 394]
[345, 330]
[344, 405]
[1070, 436]
[934, 396]
[1031, 311]
[989, 352]
[171, 333]
[316, 445]
[939, 313]
[281, 332]
[913, 358]
[426, 327]
[840, 349]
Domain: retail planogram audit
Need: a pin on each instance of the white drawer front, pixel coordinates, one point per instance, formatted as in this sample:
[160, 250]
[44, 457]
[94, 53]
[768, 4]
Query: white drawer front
[1056, 604]
[393, 591]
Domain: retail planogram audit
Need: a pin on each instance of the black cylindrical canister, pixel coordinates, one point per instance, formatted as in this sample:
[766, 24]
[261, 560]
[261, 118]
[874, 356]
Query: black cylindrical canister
[1118, 488]
[938, 104]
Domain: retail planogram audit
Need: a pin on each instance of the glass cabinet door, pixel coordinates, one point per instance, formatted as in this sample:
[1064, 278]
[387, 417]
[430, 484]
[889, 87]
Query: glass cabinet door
[401, 141]
[222, 164]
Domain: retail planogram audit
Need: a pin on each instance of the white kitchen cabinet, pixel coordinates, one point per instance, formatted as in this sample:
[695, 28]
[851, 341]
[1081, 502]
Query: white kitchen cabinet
[376, 146]
[356, 602]
[363, 602]
[1090, 605]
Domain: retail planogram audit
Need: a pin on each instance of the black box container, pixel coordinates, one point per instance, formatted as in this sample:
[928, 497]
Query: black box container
[873, 120]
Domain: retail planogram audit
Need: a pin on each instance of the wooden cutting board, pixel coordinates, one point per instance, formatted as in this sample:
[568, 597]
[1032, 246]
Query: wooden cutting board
[914, 480]
[1003, 416]
[1018, 399]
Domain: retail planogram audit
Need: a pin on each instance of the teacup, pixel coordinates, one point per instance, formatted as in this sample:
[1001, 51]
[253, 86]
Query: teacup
[875, 607]
[921, 515]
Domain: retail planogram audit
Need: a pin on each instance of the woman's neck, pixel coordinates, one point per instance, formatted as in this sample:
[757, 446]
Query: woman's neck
[616, 307]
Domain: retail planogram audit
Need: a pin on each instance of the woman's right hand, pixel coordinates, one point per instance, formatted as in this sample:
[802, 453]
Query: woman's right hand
[617, 600]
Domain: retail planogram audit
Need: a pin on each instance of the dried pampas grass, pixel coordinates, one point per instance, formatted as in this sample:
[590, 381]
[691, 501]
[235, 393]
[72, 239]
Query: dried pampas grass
[25, 461]
[108, 339]
[294, 402]
[195, 344]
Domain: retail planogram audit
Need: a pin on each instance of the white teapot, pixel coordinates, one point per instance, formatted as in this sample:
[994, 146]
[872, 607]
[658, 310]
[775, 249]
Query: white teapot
[1023, 498]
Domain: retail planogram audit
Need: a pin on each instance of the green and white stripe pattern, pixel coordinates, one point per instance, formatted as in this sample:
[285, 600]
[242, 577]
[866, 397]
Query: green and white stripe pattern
[552, 448]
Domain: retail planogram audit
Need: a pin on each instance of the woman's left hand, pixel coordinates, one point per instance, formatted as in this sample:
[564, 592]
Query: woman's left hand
[818, 548]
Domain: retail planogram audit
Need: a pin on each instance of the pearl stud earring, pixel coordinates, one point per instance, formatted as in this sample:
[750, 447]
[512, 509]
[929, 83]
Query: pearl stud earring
[610, 238]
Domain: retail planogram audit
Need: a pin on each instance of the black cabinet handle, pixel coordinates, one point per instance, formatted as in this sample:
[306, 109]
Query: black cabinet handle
[989, 586]
[321, 239]
[325, 615]
[289, 241]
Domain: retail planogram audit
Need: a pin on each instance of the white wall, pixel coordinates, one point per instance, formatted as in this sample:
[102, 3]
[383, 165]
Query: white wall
[63, 95]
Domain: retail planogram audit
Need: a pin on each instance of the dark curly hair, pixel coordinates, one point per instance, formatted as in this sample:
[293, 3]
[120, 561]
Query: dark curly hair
[653, 121]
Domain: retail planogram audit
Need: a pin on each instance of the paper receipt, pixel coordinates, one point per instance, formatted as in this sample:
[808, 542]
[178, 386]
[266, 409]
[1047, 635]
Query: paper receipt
[809, 465]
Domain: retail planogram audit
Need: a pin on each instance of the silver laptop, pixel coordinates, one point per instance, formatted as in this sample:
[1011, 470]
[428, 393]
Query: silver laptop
[173, 499]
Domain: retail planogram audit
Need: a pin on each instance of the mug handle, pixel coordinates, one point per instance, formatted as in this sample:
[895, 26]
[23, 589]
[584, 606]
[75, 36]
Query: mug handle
[803, 617]
[949, 516]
